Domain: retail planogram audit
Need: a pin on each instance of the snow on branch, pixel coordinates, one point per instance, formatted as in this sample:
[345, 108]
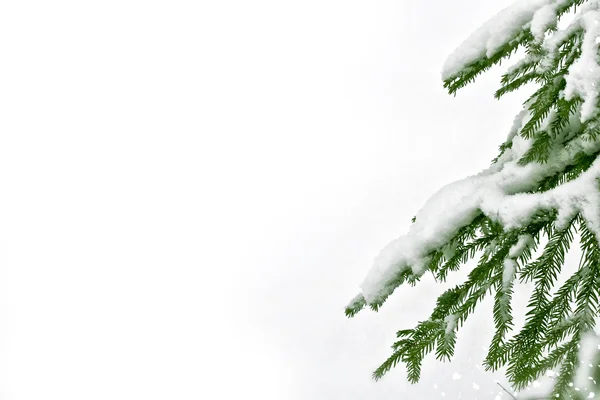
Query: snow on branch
[584, 75]
[502, 28]
[546, 180]
[498, 193]
[529, 18]
[505, 193]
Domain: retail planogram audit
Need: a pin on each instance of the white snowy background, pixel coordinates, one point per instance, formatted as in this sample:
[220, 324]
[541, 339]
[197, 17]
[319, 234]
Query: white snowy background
[191, 191]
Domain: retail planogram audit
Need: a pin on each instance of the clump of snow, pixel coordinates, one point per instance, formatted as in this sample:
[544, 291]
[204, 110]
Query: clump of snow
[450, 321]
[510, 263]
[522, 244]
[543, 19]
[508, 273]
[558, 37]
[552, 43]
[583, 78]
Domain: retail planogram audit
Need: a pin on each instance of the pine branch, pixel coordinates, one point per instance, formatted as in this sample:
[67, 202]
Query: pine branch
[555, 140]
[470, 72]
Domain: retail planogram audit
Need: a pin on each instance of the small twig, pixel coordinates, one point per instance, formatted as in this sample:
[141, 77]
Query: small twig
[506, 390]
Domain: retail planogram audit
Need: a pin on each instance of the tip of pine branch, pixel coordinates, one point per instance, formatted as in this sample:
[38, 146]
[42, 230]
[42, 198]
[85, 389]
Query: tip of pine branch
[356, 304]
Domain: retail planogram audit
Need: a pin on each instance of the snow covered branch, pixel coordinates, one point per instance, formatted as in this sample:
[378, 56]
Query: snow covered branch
[546, 179]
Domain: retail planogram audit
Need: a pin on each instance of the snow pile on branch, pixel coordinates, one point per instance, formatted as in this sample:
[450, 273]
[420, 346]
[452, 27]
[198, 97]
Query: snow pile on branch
[499, 30]
[510, 263]
[584, 75]
[500, 192]
[497, 192]
[543, 19]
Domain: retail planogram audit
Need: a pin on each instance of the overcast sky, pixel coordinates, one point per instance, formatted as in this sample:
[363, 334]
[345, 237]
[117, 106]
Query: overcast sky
[191, 191]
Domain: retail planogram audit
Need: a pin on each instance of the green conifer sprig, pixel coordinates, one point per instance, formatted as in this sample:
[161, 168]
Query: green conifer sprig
[526, 347]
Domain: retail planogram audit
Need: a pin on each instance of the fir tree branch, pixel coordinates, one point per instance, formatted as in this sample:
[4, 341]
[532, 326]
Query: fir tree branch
[549, 134]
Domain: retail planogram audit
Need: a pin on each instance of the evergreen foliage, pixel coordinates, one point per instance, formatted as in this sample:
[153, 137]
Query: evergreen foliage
[557, 317]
